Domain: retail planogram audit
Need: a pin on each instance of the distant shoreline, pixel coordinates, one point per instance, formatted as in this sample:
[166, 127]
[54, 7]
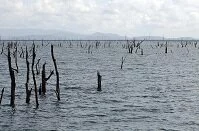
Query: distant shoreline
[97, 40]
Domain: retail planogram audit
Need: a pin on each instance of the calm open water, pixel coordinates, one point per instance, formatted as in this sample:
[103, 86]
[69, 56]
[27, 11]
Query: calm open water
[154, 91]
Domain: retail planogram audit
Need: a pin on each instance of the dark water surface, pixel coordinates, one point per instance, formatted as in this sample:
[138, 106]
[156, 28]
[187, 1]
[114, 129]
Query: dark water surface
[154, 91]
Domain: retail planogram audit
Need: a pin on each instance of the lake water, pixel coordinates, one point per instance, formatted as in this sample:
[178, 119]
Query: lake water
[153, 91]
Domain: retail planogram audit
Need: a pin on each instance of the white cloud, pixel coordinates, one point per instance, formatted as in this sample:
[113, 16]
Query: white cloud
[129, 17]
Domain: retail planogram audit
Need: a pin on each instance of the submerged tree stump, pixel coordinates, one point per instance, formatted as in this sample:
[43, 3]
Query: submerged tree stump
[99, 79]
[142, 53]
[166, 47]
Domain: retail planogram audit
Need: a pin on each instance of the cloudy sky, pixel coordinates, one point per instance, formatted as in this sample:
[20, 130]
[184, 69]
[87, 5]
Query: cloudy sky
[169, 18]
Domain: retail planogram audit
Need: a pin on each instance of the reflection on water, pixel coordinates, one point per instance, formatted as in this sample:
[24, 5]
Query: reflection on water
[156, 91]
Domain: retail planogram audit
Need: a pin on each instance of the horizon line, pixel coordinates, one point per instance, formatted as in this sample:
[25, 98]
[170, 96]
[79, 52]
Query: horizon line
[97, 40]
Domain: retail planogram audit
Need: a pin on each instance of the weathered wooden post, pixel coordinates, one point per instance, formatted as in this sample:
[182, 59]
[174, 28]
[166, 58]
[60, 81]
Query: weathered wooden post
[99, 79]
[12, 76]
[2, 91]
[57, 91]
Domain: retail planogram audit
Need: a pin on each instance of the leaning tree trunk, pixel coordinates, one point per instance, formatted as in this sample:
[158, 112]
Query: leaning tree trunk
[33, 75]
[57, 74]
[12, 76]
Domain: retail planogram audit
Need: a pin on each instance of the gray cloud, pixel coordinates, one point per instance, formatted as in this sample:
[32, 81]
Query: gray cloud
[130, 17]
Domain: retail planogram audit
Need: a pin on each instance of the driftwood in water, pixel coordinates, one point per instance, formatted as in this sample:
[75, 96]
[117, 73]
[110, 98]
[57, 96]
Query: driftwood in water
[57, 91]
[99, 79]
[2, 91]
[28, 92]
[12, 76]
[33, 74]
[44, 79]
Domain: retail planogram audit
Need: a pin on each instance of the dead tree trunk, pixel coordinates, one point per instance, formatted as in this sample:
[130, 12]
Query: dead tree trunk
[33, 75]
[22, 53]
[1, 95]
[12, 76]
[99, 79]
[122, 62]
[44, 79]
[2, 49]
[123, 59]
[57, 74]
[89, 49]
[15, 54]
[43, 87]
[37, 67]
[166, 48]
[131, 49]
[28, 92]
[142, 52]
[195, 44]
